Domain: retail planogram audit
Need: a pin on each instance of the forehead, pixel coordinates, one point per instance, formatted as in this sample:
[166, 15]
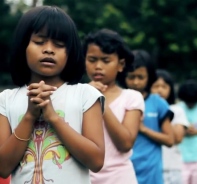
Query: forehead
[139, 71]
[52, 33]
[161, 81]
[95, 50]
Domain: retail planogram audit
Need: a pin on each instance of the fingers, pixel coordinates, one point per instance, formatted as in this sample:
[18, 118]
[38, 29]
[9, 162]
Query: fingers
[37, 88]
[41, 86]
[39, 94]
[100, 86]
[39, 102]
[35, 92]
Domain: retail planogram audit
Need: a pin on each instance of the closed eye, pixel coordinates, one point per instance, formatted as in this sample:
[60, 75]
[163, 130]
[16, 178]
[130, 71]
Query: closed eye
[92, 59]
[39, 42]
[59, 44]
[106, 60]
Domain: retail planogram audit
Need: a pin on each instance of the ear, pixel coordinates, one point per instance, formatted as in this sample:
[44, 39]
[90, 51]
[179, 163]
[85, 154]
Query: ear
[121, 65]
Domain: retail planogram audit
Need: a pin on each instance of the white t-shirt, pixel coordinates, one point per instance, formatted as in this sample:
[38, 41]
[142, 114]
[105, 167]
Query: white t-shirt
[172, 159]
[46, 160]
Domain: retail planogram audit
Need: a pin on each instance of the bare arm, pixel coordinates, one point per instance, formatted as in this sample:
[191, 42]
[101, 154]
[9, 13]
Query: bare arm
[165, 137]
[191, 131]
[87, 148]
[123, 134]
[10, 145]
[179, 132]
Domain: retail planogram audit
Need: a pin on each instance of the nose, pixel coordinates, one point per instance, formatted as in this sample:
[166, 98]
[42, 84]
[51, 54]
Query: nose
[48, 48]
[98, 65]
[136, 81]
[159, 91]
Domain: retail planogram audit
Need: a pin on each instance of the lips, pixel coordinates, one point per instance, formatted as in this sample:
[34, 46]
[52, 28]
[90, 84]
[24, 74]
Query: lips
[48, 61]
[98, 76]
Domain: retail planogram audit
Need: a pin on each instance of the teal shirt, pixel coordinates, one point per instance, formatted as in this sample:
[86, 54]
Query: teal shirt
[188, 146]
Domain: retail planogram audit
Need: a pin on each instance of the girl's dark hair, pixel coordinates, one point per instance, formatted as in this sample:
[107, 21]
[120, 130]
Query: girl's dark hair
[60, 27]
[188, 91]
[166, 76]
[143, 59]
[111, 42]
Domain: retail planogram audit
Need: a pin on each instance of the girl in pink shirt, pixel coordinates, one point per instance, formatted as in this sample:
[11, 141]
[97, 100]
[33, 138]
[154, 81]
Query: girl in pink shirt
[107, 58]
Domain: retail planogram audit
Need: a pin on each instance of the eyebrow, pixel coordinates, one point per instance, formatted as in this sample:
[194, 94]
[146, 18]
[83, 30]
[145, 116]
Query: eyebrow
[105, 57]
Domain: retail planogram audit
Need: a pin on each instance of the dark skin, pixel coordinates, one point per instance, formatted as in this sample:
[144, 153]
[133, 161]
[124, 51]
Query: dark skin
[123, 134]
[87, 148]
[163, 89]
[138, 80]
[102, 69]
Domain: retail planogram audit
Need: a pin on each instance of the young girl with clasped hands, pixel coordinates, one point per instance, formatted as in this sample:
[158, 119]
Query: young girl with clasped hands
[107, 58]
[172, 159]
[155, 129]
[50, 126]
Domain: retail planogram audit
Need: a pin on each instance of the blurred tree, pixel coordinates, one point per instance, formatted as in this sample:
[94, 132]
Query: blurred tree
[7, 25]
[166, 28]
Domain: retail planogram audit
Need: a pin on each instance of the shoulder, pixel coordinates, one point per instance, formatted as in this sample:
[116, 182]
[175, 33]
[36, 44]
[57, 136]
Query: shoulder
[176, 109]
[87, 95]
[133, 94]
[179, 115]
[155, 98]
[83, 87]
[133, 99]
[8, 93]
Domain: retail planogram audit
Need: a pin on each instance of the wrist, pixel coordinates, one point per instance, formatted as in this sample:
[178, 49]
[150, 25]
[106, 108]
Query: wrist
[52, 119]
[29, 117]
[143, 130]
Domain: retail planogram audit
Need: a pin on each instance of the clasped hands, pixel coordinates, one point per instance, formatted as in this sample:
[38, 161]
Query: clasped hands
[39, 100]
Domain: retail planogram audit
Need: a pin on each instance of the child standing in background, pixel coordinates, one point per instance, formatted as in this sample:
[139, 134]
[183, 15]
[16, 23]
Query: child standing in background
[187, 93]
[50, 126]
[172, 160]
[155, 129]
[107, 58]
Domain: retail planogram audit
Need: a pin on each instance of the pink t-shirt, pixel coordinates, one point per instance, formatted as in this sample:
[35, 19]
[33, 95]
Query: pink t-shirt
[117, 167]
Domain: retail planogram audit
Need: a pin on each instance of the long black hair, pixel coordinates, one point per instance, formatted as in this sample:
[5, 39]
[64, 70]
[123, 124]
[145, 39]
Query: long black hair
[143, 59]
[59, 26]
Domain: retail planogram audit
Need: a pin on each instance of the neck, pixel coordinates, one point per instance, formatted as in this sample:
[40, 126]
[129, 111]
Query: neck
[113, 88]
[57, 82]
[144, 94]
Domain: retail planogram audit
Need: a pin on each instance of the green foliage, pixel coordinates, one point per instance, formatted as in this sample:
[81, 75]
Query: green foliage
[165, 28]
[7, 24]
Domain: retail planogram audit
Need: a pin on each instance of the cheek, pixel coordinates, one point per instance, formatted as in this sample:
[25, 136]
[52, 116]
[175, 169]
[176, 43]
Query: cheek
[88, 68]
[167, 92]
[154, 90]
[129, 82]
[144, 82]
[30, 52]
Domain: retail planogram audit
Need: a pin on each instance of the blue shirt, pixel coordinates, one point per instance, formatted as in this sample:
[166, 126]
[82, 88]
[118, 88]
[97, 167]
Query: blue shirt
[147, 156]
[188, 146]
